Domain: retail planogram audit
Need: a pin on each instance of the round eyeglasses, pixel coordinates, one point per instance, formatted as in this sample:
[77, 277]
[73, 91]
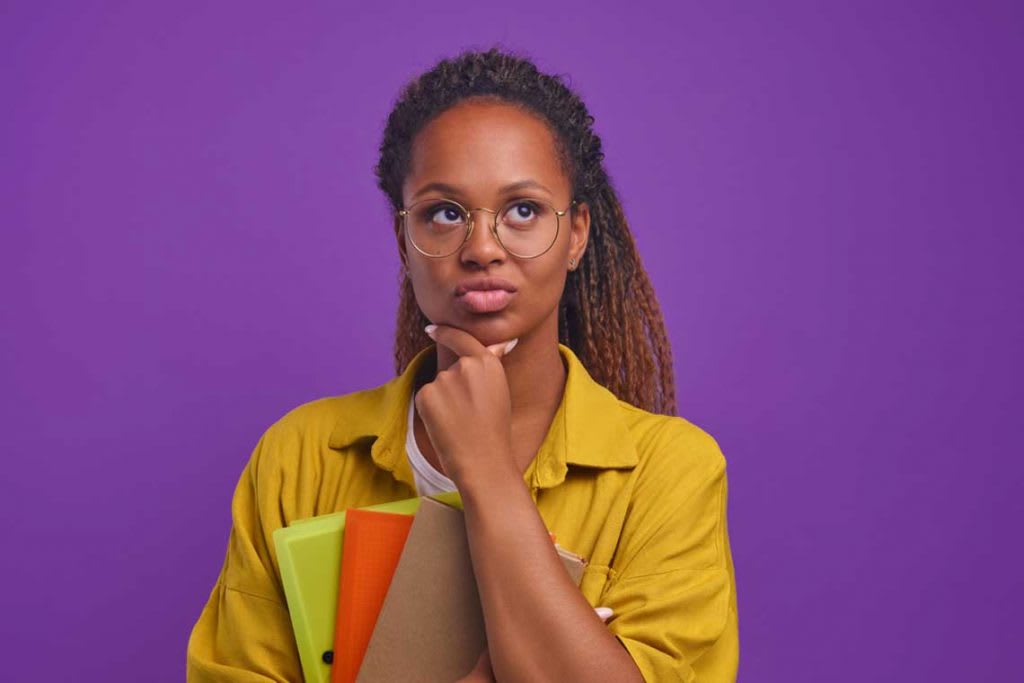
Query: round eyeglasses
[525, 228]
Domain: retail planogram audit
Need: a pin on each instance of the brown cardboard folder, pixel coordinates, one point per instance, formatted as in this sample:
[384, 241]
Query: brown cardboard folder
[431, 627]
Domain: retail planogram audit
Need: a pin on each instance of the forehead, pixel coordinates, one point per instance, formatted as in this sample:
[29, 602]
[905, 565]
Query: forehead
[481, 146]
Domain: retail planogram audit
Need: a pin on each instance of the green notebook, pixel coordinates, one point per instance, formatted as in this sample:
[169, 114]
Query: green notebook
[309, 554]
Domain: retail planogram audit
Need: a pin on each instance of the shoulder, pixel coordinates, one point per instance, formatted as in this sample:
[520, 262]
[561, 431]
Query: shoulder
[671, 447]
[314, 416]
[309, 421]
[306, 429]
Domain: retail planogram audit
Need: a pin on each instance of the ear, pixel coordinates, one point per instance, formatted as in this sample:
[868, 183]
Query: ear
[579, 231]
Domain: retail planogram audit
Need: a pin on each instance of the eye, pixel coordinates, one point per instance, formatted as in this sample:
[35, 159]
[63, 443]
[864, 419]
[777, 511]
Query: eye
[523, 211]
[442, 213]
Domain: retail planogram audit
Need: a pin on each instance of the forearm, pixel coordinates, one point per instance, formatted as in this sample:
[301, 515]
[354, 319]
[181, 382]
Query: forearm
[539, 625]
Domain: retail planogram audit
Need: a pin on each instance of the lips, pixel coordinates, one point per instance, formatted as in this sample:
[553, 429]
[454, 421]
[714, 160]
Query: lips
[484, 294]
[484, 283]
[485, 300]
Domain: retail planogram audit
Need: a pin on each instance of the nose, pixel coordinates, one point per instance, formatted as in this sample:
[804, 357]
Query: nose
[482, 248]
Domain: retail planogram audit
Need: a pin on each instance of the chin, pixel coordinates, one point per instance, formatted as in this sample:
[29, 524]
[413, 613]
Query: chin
[489, 328]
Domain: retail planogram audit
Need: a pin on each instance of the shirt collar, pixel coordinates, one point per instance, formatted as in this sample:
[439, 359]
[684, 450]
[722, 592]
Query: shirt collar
[588, 428]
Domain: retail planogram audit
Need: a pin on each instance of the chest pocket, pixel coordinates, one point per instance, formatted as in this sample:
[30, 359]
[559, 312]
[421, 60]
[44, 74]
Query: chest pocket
[588, 516]
[595, 579]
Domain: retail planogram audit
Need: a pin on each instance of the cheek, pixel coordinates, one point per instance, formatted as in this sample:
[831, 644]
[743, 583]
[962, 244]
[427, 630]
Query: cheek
[427, 284]
[545, 283]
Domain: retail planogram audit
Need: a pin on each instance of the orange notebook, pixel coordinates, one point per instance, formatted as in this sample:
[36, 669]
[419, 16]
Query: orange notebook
[371, 549]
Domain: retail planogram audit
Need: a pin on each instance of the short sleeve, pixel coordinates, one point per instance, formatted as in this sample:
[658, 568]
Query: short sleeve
[673, 586]
[244, 631]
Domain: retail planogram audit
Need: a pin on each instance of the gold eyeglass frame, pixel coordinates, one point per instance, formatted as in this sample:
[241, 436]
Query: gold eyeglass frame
[403, 213]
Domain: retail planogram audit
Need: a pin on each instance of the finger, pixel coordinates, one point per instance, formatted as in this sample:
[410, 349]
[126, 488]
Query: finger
[503, 348]
[462, 343]
[604, 612]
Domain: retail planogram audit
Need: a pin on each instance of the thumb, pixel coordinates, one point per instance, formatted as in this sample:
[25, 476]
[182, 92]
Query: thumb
[503, 348]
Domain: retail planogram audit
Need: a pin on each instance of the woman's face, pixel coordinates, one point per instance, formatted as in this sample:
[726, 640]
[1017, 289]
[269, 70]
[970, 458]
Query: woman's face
[478, 148]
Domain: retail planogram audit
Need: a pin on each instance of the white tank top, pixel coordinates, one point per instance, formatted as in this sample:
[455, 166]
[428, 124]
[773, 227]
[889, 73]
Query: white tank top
[429, 481]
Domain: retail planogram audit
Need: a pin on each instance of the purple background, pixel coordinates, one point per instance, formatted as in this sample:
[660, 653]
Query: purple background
[826, 196]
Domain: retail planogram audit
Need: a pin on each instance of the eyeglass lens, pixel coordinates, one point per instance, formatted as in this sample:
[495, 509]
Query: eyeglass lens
[526, 228]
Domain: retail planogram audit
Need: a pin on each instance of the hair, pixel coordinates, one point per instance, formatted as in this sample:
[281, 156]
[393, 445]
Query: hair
[608, 314]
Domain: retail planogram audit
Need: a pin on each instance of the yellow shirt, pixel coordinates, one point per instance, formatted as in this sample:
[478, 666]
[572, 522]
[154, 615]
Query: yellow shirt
[641, 496]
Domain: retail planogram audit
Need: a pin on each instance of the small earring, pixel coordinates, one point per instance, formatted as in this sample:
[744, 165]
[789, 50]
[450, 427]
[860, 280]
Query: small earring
[572, 263]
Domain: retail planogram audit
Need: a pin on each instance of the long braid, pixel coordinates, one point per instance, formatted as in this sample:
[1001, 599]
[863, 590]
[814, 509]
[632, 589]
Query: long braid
[609, 314]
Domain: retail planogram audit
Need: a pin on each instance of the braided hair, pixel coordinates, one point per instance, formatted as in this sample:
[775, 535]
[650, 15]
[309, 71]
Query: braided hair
[608, 314]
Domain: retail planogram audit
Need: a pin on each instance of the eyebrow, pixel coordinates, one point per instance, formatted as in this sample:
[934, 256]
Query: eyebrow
[455, 190]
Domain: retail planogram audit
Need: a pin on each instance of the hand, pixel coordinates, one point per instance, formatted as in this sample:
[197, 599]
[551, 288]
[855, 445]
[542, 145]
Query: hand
[482, 672]
[466, 409]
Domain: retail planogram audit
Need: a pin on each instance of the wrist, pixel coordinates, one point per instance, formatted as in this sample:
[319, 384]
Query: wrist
[485, 479]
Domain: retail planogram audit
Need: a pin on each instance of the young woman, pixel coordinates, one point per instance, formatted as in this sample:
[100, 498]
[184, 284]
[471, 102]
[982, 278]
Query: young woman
[535, 376]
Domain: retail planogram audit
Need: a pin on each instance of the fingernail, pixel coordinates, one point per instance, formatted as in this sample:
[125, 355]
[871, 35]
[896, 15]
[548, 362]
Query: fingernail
[429, 329]
[511, 345]
[604, 612]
